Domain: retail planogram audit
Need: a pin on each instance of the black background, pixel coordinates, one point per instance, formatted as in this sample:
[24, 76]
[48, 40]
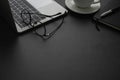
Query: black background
[76, 52]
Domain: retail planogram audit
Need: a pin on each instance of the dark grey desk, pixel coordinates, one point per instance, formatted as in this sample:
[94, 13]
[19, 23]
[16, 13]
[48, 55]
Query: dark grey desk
[76, 52]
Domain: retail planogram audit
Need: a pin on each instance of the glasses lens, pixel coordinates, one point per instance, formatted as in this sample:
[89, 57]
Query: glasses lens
[26, 16]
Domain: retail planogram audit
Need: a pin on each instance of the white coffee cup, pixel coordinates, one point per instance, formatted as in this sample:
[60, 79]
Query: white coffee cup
[85, 3]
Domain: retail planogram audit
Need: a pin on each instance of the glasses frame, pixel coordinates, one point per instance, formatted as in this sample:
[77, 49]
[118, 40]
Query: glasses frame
[45, 35]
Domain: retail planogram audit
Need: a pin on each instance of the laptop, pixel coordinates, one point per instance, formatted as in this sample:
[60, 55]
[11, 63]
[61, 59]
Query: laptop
[13, 12]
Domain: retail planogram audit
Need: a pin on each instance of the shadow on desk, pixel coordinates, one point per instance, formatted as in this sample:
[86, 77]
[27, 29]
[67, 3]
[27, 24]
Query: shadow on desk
[7, 36]
[83, 16]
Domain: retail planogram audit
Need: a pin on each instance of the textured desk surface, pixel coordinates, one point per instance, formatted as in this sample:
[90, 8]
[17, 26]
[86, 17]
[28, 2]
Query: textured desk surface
[76, 52]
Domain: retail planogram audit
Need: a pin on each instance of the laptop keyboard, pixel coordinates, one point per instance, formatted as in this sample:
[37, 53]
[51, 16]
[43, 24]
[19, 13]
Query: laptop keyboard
[17, 6]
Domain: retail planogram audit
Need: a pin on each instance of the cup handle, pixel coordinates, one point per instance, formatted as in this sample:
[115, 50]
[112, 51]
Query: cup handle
[96, 1]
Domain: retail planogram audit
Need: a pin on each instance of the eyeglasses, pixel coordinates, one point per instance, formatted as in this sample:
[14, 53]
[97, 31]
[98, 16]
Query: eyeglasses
[27, 18]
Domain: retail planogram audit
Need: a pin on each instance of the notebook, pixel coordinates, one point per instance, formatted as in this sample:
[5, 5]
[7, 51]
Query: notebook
[111, 20]
[22, 15]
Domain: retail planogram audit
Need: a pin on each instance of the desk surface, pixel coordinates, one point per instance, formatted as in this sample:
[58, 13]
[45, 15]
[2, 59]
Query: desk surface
[76, 52]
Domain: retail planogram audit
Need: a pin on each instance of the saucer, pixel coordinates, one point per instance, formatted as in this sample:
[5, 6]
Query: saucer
[92, 9]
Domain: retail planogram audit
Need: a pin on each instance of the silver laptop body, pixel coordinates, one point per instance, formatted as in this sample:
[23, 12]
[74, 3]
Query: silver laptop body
[11, 11]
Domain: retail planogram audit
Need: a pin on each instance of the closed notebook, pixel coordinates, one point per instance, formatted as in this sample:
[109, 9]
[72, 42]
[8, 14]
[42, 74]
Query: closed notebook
[113, 19]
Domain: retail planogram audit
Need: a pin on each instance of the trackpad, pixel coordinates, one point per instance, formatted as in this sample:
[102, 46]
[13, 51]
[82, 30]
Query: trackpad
[48, 7]
[39, 3]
